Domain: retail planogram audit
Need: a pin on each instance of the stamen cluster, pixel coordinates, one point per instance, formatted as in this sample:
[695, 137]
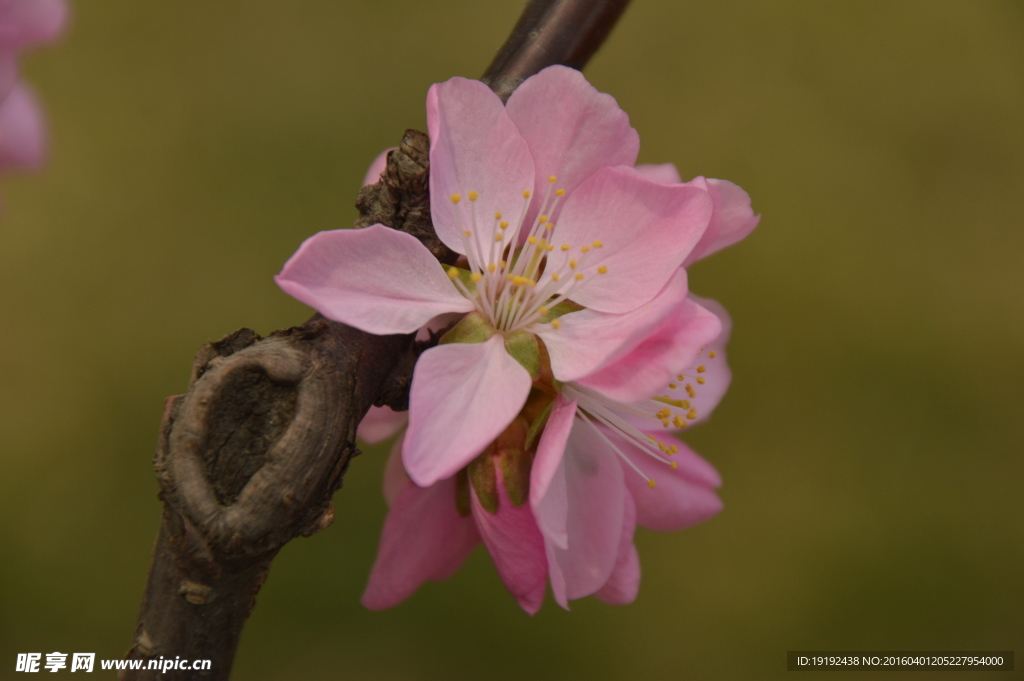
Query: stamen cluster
[516, 273]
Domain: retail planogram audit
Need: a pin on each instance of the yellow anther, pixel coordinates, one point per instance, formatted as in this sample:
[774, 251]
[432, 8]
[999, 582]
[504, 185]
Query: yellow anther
[650, 483]
[527, 193]
[700, 379]
[652, 438]
[491, 267]
[473, 196]
[598, 244]
[542, 219]
[662, 447]
[549, 226]
[673, 450]
[601, 269]
[584, 249]
[453, 273]
[684, 425]
[543, 310]
[673, 386]
[497, 215]
[503, 264]
[665, 423]
[678, 421]
[467, 232]
[712, 354]
[565, 247]
[555, 276]
[532, 240]
[456, 198]
[572, 264]
[672, 402]
[476, 276]
[579, 277]
[691, 392]
[692, 414]
[681, 377]
[499, 236]
[701, 369]
[549, 248]
[559, 192]
[552, 179]
[555, 324]
[675, 465]
[663, 414]
[503, 225]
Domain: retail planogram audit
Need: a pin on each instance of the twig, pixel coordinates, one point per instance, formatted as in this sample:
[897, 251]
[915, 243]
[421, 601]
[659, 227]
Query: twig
[251, 456]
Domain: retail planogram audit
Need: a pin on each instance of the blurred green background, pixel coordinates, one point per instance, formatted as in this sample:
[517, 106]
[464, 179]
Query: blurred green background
[871, 443]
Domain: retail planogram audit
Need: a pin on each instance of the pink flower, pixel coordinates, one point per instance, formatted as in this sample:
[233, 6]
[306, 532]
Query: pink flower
[22, 24]
[575, 313]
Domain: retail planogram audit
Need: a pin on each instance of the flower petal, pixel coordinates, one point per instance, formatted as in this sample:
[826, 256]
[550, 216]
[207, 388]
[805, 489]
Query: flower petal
[652, 364]
[680, 498]
[23, 22]
[424, 538]
[377, 167]
[646, 229]
[547, 477]
[661, 172]
[463, 395]
[395, 476]
[379, 424]
[587, 340]
[732, 220]
[622, 587]
[516, 547]
[572, 130]
[376, 279]
[474, 146]
[22, 133]
[594, 492]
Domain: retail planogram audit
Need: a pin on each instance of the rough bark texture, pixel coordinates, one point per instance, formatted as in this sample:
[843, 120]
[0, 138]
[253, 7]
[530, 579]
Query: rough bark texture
[251, 456]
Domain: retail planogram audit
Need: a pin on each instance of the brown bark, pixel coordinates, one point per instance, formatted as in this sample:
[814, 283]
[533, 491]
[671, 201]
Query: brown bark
[251, 456]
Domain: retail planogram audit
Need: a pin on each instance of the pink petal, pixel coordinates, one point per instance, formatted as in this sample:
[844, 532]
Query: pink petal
[664, 172]
[377, 167]
[516, 547]
[587, 340]
[547, 477]
[732, 220]
[22, 133]
[463, 395]
[375, 279]
[717, 375]
[646, 229]
[649, 367]
[474, 146]
[424, 538]
[23, 22]
[622, 587]
[380, 423]
[572, 130]
[594, 495]
[680, 498]
[395, 476]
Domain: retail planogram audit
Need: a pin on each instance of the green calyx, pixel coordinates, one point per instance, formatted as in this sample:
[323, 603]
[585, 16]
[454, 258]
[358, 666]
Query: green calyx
[556, 311]
[522, 346]
[473, 328]
[509, 455]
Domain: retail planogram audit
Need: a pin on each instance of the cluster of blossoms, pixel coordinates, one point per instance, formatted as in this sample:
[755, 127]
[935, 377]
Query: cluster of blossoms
[22, 24]
[541, 422]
